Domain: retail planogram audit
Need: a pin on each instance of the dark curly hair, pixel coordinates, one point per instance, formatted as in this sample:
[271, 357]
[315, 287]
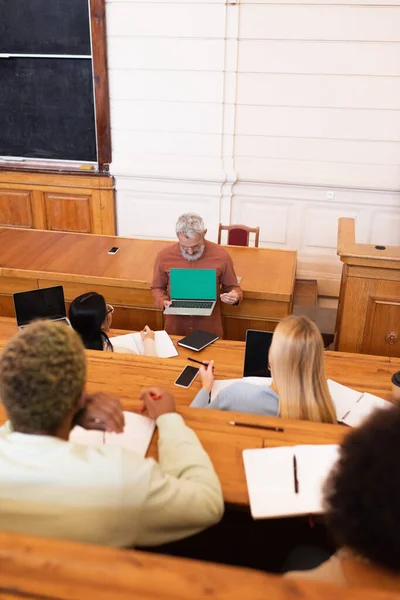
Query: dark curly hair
[362, 493]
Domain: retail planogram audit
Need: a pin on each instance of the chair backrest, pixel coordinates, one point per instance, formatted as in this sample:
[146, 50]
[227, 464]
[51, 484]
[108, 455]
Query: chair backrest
[239, 235]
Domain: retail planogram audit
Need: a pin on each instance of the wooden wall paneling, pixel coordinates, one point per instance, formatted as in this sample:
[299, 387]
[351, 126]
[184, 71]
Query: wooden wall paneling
[382, 327]
[100, 75]
[39, 209]
[235, 329]
[68, 212]
[16, 208]
[78, 203]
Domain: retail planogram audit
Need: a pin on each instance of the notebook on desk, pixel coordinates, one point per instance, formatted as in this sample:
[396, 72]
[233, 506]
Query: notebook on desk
[136, 436]
[192, 292]
[288, 481]
[352, 406]
[133, 341]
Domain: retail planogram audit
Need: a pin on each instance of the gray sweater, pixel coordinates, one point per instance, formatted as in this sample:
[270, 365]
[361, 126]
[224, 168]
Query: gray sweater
[241, 397]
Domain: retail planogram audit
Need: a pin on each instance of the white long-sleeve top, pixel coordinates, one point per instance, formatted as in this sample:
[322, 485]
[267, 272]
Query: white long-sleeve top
[108, 495]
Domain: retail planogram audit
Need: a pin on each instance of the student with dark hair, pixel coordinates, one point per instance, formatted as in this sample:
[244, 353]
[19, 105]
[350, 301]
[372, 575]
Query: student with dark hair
[91, 317]
[362, 499]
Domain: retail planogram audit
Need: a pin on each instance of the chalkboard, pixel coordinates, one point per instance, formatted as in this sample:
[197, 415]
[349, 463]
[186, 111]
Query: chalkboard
[47, 103]
[44, 27]
[47, 109]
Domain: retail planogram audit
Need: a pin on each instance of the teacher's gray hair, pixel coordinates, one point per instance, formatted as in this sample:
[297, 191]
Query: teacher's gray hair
[189, 224]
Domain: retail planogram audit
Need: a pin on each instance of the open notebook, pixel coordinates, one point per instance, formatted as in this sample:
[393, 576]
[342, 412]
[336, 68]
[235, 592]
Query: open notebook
[164, 345]
[136, 436]
[352, 407]
[270, 476]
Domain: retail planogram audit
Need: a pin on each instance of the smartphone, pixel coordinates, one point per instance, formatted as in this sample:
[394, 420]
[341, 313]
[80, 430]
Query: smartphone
[257, 351]
[187, 376]
[113, 250]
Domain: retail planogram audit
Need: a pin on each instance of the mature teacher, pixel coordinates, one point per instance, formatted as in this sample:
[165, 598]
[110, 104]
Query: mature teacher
[194, 249]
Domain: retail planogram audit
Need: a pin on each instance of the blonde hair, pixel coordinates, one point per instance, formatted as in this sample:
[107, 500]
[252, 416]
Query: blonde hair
[297, 365]
[42, 376]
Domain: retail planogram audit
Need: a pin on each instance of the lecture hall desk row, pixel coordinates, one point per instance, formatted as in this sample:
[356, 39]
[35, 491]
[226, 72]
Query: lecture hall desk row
[80, 263]
[38, 568]
[125, 375]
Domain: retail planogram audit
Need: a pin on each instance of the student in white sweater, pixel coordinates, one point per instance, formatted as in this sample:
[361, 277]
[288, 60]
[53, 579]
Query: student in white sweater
[91, 317]
[106, 495]
[299, 389]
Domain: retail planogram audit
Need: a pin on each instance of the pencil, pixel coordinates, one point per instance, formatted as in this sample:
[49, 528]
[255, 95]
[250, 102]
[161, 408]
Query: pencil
[252, 426]
[198, 361]
[296, 481]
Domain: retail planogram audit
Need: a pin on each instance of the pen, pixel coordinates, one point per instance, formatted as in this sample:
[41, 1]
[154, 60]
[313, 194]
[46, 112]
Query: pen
[296, 481]
[266, 427]
[198, 361]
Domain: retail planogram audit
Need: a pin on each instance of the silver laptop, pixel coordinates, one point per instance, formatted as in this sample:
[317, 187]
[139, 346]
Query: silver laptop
[193, 292]
[45, 303]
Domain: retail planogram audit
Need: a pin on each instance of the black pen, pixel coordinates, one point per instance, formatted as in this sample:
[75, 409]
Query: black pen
[198, 361]
[266, 427]
[296, 481]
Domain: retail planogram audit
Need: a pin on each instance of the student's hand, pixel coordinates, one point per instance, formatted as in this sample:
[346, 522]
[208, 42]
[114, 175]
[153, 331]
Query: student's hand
[167, 303]
[157, 402]
[147, 333]
[230, 298]
[102, 411]
[207, 376]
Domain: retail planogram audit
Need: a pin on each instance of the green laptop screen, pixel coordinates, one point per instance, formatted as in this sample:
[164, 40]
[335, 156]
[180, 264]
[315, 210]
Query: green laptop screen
[193, 284]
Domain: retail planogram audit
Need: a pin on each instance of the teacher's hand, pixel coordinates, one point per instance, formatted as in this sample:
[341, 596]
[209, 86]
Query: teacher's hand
[230, 298]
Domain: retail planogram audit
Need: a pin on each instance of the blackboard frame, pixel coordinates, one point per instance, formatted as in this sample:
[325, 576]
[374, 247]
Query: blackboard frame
[101, 100]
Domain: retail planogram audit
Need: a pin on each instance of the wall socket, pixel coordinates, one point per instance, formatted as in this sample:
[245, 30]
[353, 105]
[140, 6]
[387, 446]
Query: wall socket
[330, 195]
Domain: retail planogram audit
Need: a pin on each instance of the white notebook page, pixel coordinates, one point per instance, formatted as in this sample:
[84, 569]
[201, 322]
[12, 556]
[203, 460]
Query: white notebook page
[164, 345]
[136, 436]
[270, 479]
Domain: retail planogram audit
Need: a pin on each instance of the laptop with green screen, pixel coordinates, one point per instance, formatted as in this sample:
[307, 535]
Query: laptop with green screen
[192, 292]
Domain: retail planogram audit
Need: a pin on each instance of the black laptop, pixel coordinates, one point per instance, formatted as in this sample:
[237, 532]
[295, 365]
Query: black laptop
[257, 351]
[46, 303]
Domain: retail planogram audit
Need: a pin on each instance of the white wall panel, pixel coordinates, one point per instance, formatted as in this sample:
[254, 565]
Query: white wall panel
[156, 142]
[329, 22]
[166, 117]
[166, 20]
[312, 149]
[341, 58]
[385, 228]
[166, 86]
[350, 175]
[330, 91]
[318, 122]
[320, 227]
[165, 54]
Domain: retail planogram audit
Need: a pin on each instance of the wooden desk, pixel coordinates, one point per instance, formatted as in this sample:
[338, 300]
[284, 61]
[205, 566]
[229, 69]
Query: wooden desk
[30, 259]
[34, 567]
[369, 303]
[125, 375]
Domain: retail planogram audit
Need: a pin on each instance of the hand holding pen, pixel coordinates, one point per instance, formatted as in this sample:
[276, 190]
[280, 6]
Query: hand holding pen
[156, 402]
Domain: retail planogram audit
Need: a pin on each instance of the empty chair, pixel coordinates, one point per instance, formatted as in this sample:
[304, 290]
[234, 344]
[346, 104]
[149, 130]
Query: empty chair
[239, 235]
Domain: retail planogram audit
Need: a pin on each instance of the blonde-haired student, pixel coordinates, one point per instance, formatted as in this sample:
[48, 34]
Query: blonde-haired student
[299, 389]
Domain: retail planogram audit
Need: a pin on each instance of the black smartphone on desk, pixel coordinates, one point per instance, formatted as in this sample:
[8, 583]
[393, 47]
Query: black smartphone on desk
[257, 352]
[187, 376]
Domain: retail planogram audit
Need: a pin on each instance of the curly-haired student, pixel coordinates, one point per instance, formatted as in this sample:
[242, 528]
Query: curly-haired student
[362, 498]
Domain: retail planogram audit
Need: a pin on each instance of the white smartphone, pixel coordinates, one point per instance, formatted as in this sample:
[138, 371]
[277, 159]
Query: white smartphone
[113, 250]
[187, 377]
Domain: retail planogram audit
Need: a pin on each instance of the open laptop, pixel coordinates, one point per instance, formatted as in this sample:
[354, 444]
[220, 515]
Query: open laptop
[256, 355]
[46, 303]
[192, 292]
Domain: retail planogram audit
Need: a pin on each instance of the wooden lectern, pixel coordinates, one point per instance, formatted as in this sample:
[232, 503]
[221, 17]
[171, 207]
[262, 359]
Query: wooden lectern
[368, 318]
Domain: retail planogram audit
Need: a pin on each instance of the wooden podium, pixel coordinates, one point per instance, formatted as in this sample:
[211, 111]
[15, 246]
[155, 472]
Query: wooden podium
[368, 318]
